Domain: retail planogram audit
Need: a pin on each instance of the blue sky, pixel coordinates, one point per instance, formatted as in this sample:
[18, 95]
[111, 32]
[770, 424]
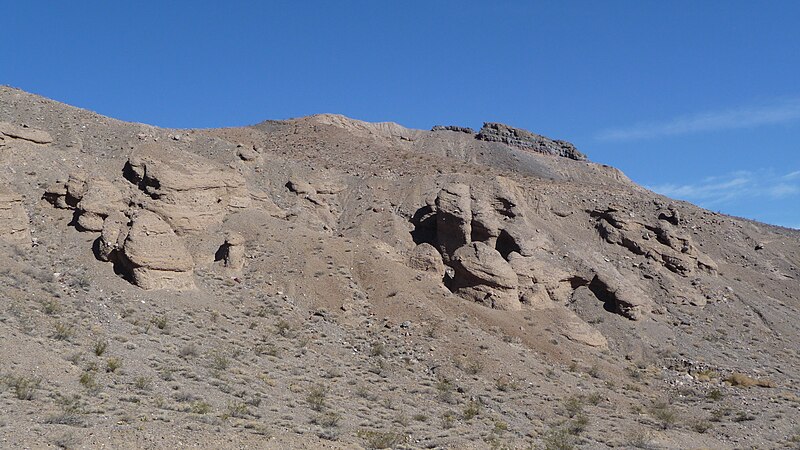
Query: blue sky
[698, 100]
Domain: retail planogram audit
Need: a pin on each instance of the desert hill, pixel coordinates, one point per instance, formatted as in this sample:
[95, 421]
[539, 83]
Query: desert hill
[327, 282]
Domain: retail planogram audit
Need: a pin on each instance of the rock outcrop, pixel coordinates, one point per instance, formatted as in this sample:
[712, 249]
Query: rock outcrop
[658, 240]
[25, 133]
[482, 275]
[456, 128]
[453, 219]
[188, 191]
[14, 222]
[525, 140]
[152, 254]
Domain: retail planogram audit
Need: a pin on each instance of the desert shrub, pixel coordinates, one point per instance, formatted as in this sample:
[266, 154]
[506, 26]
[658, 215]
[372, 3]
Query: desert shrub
[143, 383]
[316, 398]
[701, 426]
[63, 331]
[506, 384]
[200, 407]
[87, 380]
[188, 350]
[328, 420]
[100, 347]
[219, 362]
[51, 306]
[24, 387]
[377, 349]
[236, 409]
[283, 328]
[744, 381]
[113, 364]
[381, 439]
[448, 420]
[471, 410]
[664, 414]
[715, 395]
[573, 405]
[578, 424]
[161, 322]
[558, 439]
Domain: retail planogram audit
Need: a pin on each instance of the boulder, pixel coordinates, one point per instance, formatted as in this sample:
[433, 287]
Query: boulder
[155, 256]
[426, 258]
[481, 274]
[113, 236]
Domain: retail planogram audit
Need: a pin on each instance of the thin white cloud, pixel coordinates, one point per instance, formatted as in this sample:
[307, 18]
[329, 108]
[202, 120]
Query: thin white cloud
[745, 117]
[725, 189]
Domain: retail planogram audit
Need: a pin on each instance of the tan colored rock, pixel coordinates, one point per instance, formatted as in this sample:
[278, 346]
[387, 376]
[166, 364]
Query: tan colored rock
[100, 199]
[482, 275]
[189, 191]
[626, 298]
[56, 194]
[426, 258]
[156, 256]
[76, 187]
[453, 218]
[14, 222]
[113, 236]
[24, 133]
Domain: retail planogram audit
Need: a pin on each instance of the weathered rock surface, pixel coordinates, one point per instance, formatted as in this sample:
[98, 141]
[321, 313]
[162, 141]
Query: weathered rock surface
[14, 222]
[621, 295]
[154, 255]
[101, 199]
[525, 140]
[426, 258]
[25, 133]
[453, 218]
[656, 240]
[456, 128]
[190, 192]
[482, 275]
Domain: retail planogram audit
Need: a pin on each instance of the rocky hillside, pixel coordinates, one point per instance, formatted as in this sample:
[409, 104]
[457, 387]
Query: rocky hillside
[327, 282]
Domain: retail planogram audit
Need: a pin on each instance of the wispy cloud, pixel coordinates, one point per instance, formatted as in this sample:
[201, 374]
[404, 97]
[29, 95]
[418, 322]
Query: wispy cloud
[745, 117]
[725, 189]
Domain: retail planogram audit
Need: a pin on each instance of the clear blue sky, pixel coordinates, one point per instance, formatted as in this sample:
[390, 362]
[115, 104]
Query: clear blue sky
[695, 99]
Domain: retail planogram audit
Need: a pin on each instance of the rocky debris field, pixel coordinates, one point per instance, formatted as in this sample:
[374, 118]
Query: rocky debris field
[323, 282]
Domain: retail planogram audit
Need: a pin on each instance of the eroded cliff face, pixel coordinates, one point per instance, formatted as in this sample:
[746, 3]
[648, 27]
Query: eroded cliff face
[483, 260]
